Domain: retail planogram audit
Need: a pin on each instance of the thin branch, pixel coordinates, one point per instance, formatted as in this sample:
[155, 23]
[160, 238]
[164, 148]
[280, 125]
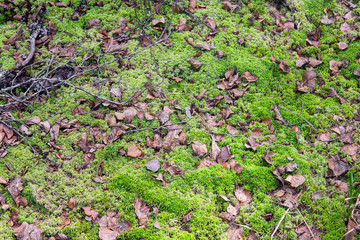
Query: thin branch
[312, 234]
[277, 226]
[299, 116]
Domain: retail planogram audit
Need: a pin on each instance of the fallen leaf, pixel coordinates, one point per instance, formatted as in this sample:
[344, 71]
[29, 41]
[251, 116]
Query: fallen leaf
[242, 195]
[326, 20]
[337, 165]
[72, 203]
[157, 22]
[177, 79]
[28, 232]
[15, 187]
[182, 27]
[153, 165]
[342, 45]
[187, 217]
[3, 181]
[142, 211]
[33, 120]
[224, 155]
[157, 225]
[199, 148]
[133, 151]
[90, 213]
[194, 63]
[192, 5]
[93, 22]
[211, 22]
[345, 28]
[296, 180]
[249, 77]
[350, 149]
[54, 132]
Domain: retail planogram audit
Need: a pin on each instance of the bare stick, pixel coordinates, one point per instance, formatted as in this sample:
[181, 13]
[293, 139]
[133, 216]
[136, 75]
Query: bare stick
[298, 116]
[277, 226]
[312, 234]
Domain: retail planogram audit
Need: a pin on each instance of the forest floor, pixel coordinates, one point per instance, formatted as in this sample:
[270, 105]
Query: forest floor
[179, 120]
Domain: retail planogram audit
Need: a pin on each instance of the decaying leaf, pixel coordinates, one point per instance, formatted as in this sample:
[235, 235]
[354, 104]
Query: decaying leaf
[72, 203]
[90, 213]
[337, 165]
[199, 148]
[28, 232]
[242, 195]
[110, 227]
[296, 180]
[142, 211]
[194, 63]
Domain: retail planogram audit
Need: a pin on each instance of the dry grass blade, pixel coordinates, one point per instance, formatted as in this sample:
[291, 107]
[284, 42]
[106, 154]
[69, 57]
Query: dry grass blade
[278, 225]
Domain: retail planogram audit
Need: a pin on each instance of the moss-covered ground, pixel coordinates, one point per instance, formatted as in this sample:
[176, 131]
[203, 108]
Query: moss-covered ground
[201, 190]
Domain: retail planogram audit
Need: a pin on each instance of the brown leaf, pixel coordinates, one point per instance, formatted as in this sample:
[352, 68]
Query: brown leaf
[203, 46]
[93, 22]
[324, 137]
[133, 151]
[171, 168]
[315, 35]
[249, 77]
[110, 45]
[157, 22]
[267, 156]
[309, 78]
[130, 113]
[232, 130]
[228, 6]
[251, 143]
[3, 181]
[72, 203]
[182, 27]
[177, 79]
[301, 61]
[211, 22]
[54, 132]
[90, 213]
[153, 165]
[224, 155]
[199, 148]
[295, 180]
[313, 62]
[326, 20]
[278, 115]
[14, 38]
[192, 5]
[194, 63]
[283, 66]
[334, 66]
[33, 120]
[187, 217]
[236, 93]
[337, 165]
[28, 232]
[350, 149]
[232, 210]
[142, 211]
[345, 28]
[45, 125]
[268, 123]
[242, 195]
[342, 45]
[341, 186]
[15, 187]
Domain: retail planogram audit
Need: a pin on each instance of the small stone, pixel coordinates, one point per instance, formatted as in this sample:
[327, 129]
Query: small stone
[153, 165]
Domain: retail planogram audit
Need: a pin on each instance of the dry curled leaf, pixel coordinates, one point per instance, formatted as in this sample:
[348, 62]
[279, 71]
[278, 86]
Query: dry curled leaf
[142, 211]
[153, 165]
[194, 63]
[337, 165]
[296, 180]
[199, 148]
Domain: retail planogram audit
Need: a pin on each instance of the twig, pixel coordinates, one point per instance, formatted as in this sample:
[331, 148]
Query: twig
[349, 4]
[240, 225]
[312, 234]
[312, 126]
[277, 226]
[29, 57]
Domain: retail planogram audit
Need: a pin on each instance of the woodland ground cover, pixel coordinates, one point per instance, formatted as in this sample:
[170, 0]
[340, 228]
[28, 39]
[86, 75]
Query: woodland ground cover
[179, 120]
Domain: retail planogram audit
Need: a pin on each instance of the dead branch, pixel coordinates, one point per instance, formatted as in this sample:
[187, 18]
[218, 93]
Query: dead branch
[312, 126]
